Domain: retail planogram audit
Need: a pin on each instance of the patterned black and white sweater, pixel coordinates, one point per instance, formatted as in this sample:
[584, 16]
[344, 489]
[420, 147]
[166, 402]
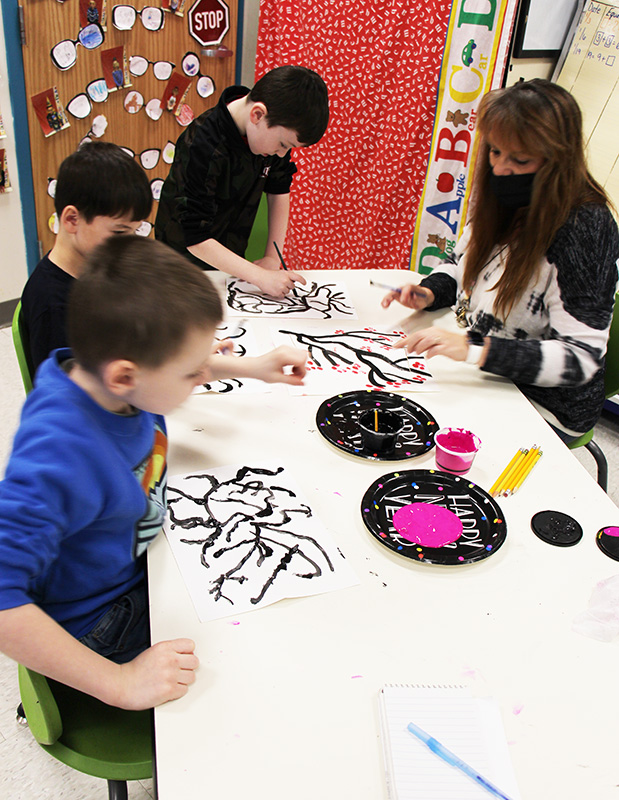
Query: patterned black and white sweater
[552, 344]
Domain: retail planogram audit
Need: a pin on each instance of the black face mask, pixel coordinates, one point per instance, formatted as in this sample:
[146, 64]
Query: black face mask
[513, 191]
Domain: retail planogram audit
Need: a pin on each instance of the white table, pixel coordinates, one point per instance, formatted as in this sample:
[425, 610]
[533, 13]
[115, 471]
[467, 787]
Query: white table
[285, 702]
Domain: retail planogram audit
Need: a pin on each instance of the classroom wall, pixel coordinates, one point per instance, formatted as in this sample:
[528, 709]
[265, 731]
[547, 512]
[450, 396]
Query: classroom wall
[13, 266]
[251, 10]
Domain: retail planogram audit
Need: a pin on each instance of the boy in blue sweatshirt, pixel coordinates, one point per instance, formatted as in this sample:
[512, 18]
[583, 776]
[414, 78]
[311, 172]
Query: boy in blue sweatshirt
[84, 491]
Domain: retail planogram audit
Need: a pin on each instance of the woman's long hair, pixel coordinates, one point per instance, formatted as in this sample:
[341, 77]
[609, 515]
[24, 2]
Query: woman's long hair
[543, 120]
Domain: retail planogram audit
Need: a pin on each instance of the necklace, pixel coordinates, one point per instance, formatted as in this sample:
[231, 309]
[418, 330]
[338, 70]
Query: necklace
[464, 303]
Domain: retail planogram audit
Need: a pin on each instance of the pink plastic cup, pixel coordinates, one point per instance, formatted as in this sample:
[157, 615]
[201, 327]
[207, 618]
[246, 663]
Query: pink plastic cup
[456, 449]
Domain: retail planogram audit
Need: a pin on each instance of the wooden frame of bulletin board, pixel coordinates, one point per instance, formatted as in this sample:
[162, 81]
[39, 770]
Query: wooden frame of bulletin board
[48, 23]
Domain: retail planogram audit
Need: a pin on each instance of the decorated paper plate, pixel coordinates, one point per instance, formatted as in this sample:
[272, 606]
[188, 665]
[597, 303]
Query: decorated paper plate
[337, 420]
[484, 528]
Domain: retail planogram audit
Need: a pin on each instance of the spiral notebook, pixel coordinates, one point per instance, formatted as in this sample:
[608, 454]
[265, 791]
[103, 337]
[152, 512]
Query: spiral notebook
[471, 727]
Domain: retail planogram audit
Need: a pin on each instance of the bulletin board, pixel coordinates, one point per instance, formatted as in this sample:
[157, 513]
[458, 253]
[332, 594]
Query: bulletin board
[590, 72]
[47, 24]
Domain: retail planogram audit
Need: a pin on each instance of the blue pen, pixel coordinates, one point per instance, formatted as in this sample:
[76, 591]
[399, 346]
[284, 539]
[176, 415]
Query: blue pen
[385, 286]
[442, 752]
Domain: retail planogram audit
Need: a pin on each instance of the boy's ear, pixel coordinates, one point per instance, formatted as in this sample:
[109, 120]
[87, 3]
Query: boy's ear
[120, 376]
[257, 112]
[70, 219]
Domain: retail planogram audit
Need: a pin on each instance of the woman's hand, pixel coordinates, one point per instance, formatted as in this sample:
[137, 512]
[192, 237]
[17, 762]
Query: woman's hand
[436, 342]
[411, 296]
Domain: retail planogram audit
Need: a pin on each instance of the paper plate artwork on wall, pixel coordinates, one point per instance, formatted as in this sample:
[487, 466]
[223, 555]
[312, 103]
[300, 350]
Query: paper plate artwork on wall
[337, 419]
[144, 228]
[124, 17]
[150, 158]
[483, 525]
[79, 106]
[51, 187]
[99, 126]
[161, 69]
[185, 115]
[64, 53]
[133, 102]
[156, 186]
[153, 109]
[205, 86]
[168, 152]
[53, 224]
[97, 90]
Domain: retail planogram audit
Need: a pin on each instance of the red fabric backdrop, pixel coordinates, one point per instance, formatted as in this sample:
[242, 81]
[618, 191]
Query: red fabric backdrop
[356, 193]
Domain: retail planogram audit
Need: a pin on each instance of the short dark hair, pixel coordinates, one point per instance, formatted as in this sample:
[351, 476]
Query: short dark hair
[295, 98]
[137, 300]
[101, 180]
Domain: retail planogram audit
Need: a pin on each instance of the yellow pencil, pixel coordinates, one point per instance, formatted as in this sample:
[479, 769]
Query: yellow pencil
[521, 470]
[537, 457]
[495, 485]
[508, 472]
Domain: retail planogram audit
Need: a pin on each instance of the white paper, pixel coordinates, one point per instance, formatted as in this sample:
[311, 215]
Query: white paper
[470, 727]
[244, 345]
[310, 301]
[244, 537]
[348, 360]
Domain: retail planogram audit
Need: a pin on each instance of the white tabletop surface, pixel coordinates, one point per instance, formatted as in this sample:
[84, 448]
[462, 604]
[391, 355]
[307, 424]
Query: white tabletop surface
[285, 701]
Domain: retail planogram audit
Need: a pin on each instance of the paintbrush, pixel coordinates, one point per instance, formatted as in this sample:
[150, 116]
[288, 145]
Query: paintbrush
[283, 263]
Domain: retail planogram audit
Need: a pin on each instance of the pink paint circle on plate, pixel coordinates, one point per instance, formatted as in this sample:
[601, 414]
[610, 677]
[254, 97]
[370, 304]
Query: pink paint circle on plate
[427, 524]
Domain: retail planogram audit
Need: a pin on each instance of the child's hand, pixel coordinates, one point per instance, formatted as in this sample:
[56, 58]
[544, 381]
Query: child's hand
[282, 365]
[436, 342]
[411, 296]
[277, 283]
[159, 674]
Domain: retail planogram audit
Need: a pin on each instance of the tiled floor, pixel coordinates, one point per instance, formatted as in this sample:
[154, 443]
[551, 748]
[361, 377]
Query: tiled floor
[26, 772]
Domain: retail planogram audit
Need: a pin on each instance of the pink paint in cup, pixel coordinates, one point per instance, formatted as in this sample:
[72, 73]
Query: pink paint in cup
[456, 449]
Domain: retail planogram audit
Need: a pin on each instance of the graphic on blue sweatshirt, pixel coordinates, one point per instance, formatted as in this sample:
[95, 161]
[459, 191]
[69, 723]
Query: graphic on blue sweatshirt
[152, 476]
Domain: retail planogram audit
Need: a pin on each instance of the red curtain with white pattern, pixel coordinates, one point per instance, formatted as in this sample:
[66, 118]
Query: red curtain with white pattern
[356, 193]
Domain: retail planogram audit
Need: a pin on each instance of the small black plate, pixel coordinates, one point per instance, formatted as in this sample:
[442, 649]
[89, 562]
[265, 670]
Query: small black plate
[337, 422]
[482, 519]
[607, 539]
[556, 528]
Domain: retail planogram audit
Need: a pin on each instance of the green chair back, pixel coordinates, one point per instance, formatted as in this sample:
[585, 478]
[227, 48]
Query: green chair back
[259, 233]
[20, 343]
[84, 733]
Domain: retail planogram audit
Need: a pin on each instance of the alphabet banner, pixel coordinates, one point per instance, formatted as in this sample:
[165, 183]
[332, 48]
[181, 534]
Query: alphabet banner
[474, 61]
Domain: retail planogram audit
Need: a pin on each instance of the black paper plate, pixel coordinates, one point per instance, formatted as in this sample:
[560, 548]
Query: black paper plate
[337, 422]
[482, 519]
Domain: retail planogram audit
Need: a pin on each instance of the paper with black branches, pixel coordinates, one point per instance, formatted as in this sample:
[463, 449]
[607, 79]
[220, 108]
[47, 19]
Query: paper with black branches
[245, 537]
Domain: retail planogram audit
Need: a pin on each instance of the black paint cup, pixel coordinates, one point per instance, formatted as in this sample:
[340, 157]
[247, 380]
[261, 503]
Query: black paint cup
[379, 430]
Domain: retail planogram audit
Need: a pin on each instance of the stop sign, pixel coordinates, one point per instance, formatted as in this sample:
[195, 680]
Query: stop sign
[209, 21]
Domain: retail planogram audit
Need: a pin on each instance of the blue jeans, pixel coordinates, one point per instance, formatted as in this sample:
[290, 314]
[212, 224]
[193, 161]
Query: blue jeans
[123, 632]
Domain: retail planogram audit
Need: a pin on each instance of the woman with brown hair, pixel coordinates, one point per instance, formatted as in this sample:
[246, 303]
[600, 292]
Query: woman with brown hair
[534, 274]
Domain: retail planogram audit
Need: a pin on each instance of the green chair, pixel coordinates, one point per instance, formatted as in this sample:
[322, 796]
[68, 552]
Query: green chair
[86, 734]
[259, 233]
[611, 388]
[20, 343]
